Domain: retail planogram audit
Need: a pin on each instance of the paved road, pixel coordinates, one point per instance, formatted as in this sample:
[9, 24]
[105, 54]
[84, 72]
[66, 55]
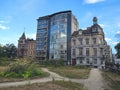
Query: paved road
[94, 82]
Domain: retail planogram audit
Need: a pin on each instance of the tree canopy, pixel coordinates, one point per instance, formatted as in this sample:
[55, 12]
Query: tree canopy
[117, 47]
[8, 50]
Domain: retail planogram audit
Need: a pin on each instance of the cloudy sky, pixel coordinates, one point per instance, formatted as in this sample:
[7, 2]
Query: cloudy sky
[17, 16]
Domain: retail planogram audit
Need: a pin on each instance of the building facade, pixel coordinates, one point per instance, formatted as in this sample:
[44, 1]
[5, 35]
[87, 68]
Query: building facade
[88, 45]
[108, 54]
[26, 47]
[53, 39]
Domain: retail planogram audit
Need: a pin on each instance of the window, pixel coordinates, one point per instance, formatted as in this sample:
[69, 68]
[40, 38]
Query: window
[80, 32]
[101, 51]
[81, 40]
[101, 40]
[95, 51]
[94, 40]
[94, 29]
[87, 40]
[87, 61]
[81, 59]
[62, 52]
[61, 46]
[74, 42]
[80, 51]
[73, 52]
[61, 26]
[62, 56]
[87, 51]
[95, 61]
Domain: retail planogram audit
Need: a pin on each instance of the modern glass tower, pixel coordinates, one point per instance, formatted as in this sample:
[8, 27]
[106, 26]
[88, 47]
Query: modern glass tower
[54, 36]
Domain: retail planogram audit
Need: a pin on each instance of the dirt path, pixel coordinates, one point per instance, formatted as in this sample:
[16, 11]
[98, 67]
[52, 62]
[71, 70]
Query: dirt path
[94, 82]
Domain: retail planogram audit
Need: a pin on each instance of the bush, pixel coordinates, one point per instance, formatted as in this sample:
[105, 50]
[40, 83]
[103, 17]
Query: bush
[26, 70]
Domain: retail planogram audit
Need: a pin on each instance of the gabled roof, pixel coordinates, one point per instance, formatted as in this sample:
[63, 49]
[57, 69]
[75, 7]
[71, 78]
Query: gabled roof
[23, 36]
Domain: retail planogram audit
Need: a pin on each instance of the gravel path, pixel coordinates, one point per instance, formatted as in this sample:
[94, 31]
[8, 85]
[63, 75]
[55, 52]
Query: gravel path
[94, 82]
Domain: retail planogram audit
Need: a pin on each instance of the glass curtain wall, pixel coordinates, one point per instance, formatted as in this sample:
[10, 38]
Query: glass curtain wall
[58, 36]
[41, 39]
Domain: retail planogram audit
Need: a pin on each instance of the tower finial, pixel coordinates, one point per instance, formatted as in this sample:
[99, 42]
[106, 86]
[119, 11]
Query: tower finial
[94, 20]
[24, 29]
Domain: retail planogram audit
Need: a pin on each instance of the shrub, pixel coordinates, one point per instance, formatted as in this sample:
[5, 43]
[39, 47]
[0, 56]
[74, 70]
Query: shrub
[1, 74]
[26, 70]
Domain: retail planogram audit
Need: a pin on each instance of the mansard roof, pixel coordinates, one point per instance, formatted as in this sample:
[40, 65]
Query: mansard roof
[75, 33]
[89, 29]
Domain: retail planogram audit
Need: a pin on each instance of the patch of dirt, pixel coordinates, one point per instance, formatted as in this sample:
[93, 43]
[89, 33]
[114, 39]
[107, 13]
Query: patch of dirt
[40, 86]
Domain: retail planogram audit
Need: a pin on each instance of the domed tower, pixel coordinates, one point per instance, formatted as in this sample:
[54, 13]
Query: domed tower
[95, 20]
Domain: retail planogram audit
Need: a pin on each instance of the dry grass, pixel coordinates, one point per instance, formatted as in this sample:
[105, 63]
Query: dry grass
[113, 80]
[3, 68]
[56, 85]
[72, 72]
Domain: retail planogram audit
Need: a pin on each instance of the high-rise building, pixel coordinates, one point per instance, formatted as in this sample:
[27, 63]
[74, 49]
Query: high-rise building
[53, 40]
[88, 46]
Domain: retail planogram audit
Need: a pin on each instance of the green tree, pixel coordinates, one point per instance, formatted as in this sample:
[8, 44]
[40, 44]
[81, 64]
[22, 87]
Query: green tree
[8, 50]
[117, 47]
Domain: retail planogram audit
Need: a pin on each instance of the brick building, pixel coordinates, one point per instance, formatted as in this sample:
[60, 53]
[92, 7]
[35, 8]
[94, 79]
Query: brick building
[26, 47]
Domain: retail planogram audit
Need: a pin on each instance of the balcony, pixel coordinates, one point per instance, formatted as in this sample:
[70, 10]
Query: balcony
[80, 55]
[79, 46]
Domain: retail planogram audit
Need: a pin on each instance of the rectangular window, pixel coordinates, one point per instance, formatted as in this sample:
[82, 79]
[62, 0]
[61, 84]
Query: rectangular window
[81, 60]
[81, 40]
[80, 51]
[95, 61]
[95, 51]
[73, 52]
[94, 40]
[101, 51]
[87, 61]
[61, 46]
[74, 42]
[87, 40]
[87, 51]
[101, 40]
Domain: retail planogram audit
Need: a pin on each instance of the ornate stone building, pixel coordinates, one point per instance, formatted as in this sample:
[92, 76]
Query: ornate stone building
[108, 53]
[26, 47]
[88, 45]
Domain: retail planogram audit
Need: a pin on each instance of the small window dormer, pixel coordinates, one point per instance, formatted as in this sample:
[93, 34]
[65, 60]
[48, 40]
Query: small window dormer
[94, 29]
[80, 32]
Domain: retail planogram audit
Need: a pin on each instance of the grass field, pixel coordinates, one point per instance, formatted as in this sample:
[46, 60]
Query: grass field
[113, 80]
[56, 85]
[72, 71]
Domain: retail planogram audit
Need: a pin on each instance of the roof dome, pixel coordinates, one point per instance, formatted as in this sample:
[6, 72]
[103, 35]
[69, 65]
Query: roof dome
[94, 20]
